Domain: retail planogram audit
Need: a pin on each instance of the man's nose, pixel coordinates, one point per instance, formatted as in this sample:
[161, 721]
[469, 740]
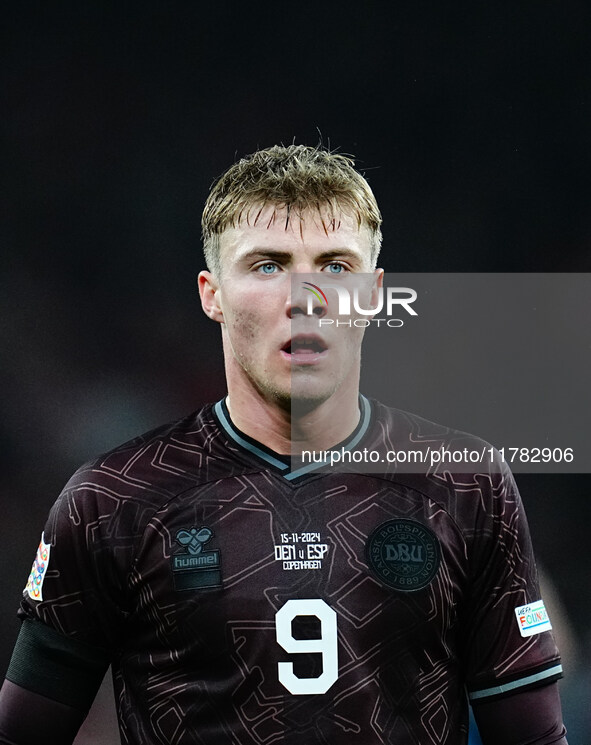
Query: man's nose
[306, 298]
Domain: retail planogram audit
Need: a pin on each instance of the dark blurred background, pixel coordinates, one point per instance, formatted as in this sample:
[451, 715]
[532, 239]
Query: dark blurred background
[471, 123]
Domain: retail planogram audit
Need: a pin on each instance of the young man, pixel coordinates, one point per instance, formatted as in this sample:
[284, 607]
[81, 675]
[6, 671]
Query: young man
[244, 596]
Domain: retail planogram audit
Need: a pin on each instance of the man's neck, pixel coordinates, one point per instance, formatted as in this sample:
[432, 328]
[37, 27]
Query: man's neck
[290, 430]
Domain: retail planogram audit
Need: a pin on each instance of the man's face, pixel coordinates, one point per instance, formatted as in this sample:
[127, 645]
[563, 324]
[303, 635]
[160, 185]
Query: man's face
[271, 344]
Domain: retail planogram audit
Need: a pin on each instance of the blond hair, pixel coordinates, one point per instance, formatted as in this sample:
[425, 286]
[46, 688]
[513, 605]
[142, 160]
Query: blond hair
[297, 178]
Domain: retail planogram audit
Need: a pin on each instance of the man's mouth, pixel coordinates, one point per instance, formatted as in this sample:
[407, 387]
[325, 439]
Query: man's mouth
[304, 349]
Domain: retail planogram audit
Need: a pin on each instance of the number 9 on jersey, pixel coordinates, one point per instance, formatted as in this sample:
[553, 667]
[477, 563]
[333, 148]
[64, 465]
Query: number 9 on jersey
[326, 645]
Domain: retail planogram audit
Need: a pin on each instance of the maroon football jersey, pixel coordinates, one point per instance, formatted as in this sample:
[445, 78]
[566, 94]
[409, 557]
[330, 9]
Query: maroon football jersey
[247, 599]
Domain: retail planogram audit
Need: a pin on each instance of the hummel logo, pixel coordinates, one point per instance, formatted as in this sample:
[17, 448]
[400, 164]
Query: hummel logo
[194, 539]
[201, 569]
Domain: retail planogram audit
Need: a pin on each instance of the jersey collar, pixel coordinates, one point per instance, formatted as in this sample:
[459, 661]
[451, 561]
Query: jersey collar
[283, 463]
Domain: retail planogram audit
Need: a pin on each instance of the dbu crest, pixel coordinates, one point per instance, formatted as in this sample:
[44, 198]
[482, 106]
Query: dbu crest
[403, 554]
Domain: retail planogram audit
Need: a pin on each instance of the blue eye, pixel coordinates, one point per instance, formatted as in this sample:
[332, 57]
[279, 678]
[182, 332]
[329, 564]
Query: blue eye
[335, 268]
[267, 268]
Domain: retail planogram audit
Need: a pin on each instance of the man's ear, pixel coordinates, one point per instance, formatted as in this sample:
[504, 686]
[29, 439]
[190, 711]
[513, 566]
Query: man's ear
[209, 294]
[378, 283]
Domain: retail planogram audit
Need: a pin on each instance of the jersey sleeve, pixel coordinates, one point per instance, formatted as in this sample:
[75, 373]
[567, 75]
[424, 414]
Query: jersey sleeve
[79, 578]
[27, 717]
[510, 645]
[527, 716]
